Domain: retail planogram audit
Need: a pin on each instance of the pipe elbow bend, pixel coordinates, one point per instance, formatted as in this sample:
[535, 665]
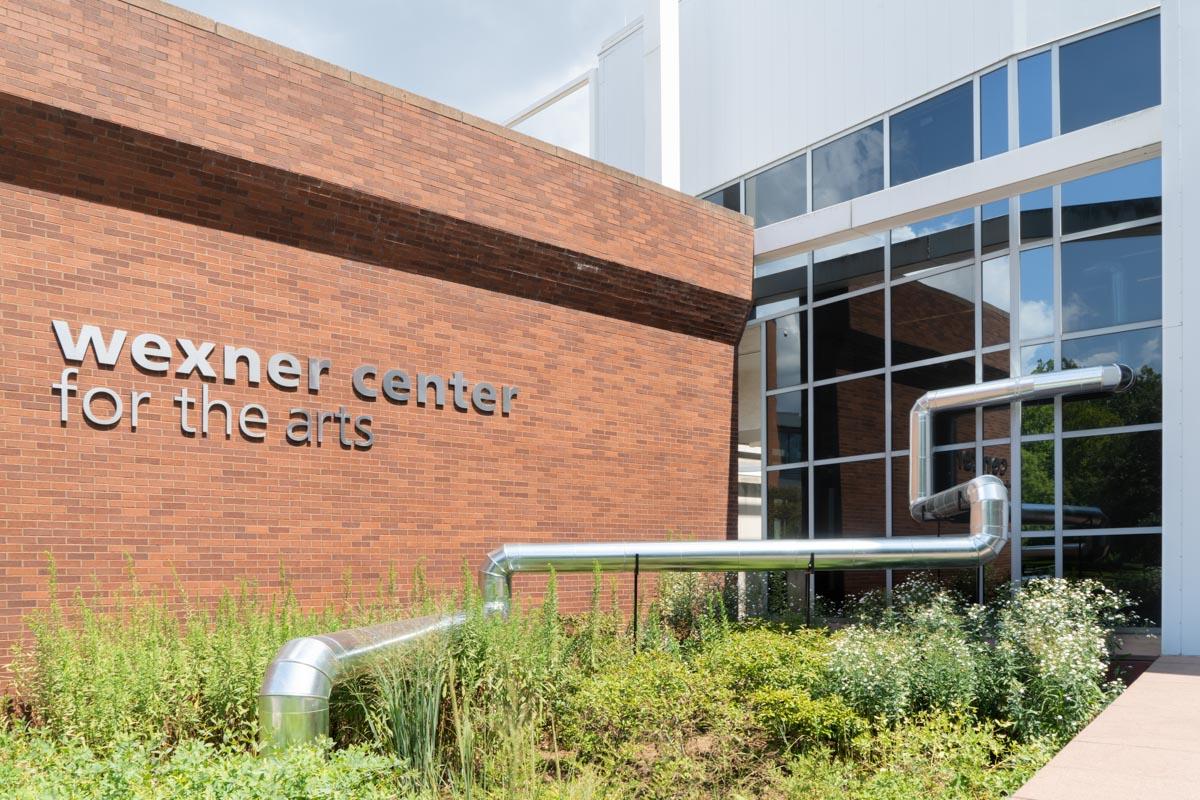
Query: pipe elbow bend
[495, 577]
[988, 546]
[293, 702]
[923, 405]
[305, 667]
[498, 563]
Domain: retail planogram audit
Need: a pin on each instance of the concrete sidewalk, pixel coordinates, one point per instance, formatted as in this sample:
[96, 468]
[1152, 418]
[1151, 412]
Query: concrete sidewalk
[1145, 745]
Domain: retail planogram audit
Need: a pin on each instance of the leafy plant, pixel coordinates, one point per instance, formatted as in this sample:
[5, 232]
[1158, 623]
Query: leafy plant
[796, 720]
[760, 656]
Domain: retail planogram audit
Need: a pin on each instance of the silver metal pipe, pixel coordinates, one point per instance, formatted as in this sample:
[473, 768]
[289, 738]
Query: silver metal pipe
[293, 703]
[294, 700]
[984, 498]
[1040, 386]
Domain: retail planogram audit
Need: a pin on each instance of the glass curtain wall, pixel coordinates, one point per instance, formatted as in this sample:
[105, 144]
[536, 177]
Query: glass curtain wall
[1101, 76]
[1070, 276]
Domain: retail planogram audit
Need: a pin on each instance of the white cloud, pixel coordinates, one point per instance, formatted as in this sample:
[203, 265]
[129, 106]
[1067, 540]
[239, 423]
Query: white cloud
[488, 58]
[997, 281]
[1037, 319]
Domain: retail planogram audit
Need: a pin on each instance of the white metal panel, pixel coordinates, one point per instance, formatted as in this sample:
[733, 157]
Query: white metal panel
[764, 79]
[622, 126]
[1046, 22]
[1181, 338]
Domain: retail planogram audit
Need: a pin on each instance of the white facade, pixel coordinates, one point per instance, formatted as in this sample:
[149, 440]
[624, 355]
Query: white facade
[758, 83]
[1181, 327]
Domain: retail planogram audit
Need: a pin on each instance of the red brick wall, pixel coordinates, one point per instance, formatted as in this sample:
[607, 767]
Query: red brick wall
[621, 338]
[213, 86]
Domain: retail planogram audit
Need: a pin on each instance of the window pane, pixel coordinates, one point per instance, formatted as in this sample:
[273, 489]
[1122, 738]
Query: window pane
[785, 428]
[1112, 279]
[1037, 219]
[787, 504]
[996, 365]
[1131, 564]
[1141, 351]
[749, 394]
[768, 306]
[1037, 557]
[1109, 75]
[849, 167]
[997, 420]
[1038, 416]
[848, 266]
[1037, 486]
[1120, 474]
[1037, 358]
[952, 467]
[994, 233]
[848, 418]
[934, 316]
[1037, 293]
[787, 282]
[1120, 195]
[909, 384]
[778, 193]
[835, 590]
[765, 266]
[993, 112]
[730, 197]
[1033, 95]
[997, 460]
[941, 240]
[848, 499]
[996, 301]
[749, 505]
[848, 336]
[933, 136]
[785, 351]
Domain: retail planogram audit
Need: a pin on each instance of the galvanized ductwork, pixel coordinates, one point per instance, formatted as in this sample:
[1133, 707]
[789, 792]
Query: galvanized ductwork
[293, 703]
[294, 699]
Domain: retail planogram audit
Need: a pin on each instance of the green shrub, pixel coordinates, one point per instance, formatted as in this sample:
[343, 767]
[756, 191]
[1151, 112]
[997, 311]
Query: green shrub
[688, 609]
[796, 720]
[937, 756]
[653, 699]
[137, 701]
[762, 657]
[35, 766]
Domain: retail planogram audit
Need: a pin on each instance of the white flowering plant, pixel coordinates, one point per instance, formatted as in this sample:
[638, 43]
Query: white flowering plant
[1037, 663]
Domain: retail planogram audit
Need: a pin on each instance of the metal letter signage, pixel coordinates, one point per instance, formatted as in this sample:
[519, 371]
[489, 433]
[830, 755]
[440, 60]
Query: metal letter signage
[105, 408]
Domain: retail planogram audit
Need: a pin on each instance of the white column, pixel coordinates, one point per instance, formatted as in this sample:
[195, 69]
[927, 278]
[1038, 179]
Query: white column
[661, 96]
[593, 88]
[1181, 340]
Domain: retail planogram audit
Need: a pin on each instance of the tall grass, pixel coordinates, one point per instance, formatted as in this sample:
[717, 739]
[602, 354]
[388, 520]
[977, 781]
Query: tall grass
[402, 704]
[156, 669]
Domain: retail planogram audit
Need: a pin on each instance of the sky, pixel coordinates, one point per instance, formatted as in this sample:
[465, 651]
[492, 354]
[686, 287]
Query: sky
[491, 58]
